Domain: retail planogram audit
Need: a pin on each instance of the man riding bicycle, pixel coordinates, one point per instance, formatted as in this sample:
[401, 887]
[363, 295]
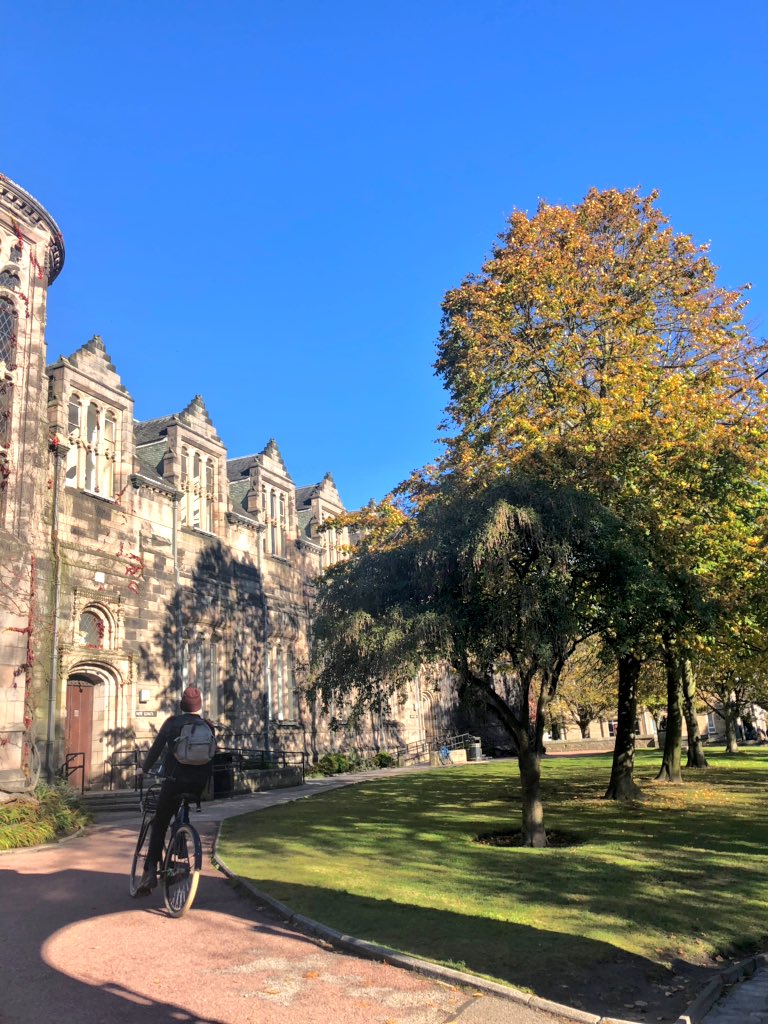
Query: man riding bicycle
[180, 776]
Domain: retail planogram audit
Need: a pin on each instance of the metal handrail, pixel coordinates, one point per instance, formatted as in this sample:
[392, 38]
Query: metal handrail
[70, 767]
[132, 761]
[459, 741]
[243, 759]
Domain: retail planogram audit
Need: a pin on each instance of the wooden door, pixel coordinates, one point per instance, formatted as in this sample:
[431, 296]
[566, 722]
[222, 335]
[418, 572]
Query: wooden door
[79, 730]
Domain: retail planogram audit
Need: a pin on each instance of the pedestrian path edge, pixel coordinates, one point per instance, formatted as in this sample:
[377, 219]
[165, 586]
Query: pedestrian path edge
[370, 950]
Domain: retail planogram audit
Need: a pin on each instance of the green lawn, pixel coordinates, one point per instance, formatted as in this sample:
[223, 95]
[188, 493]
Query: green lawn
[676, 878]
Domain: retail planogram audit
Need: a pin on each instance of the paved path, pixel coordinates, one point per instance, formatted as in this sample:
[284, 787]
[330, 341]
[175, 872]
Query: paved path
[78, 950]
[746, 1003]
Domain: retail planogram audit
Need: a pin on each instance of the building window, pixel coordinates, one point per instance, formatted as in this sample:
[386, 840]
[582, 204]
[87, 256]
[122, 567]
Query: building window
[8, 325]
[198, 482]
[93, 446]
[6, 399]
[281, 668]
[275, 510]
[9, 279]
[94, 629]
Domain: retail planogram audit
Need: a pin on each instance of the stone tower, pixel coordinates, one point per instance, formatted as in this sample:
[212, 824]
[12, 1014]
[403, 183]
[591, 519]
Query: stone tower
[31, 256]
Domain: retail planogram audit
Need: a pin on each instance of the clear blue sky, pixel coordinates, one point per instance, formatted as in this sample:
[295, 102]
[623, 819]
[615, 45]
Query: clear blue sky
[265, 202]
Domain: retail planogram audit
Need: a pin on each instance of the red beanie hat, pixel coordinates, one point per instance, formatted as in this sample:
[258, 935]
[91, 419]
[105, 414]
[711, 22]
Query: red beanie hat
[191, 700]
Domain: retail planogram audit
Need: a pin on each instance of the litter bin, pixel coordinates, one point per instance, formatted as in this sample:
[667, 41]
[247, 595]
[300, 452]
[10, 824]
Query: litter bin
[223, 774]
[474, 752]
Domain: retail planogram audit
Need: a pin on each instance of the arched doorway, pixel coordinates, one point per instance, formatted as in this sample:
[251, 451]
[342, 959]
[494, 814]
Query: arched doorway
[78, 729]
[430, 722]
[93, 717]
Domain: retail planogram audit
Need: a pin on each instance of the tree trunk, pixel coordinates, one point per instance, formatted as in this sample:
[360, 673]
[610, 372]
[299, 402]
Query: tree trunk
[696, 755]
[529, 762]
[584, 724]
[729, 716]
[622, 784]
[673, 740]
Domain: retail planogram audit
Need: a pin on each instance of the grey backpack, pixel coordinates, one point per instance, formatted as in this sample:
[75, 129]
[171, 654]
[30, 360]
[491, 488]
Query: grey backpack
[196, 743]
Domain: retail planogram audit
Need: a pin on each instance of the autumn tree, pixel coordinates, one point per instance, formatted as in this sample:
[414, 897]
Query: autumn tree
[596, 350]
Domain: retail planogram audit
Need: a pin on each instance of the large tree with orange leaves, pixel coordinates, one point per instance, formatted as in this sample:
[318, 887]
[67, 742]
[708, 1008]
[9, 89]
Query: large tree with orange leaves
[596, 350]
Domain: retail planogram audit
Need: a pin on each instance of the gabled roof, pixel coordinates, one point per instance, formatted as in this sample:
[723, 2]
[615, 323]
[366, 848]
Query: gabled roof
[149, 431]
[273, 452]
[93, 348]
[240, 467]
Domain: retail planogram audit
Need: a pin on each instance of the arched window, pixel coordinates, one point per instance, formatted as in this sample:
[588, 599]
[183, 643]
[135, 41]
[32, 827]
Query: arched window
[209, 496]
[9, 279]
[75, 413]
[196, 490]
[184, 486]
[8, 323]
[198, 485]
[92, 431]
[6, 400]
[94, 629]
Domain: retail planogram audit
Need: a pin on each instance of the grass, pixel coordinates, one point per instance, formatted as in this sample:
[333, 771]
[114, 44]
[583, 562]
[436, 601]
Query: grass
[677, 878]
[52, 814]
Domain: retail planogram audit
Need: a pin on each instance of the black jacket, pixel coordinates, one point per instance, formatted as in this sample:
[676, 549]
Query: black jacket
[165, 740]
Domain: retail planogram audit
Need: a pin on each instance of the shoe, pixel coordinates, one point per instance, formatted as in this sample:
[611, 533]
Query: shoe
[148, 882]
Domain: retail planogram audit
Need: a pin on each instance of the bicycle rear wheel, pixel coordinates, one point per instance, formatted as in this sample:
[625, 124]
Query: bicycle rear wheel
[140, 854]
[181, 870]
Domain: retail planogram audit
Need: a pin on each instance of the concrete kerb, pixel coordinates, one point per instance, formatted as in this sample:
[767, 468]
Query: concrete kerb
[370, 950]
[714, 988]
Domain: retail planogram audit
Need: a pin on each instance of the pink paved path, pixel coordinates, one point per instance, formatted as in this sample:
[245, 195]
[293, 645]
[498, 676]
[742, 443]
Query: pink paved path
[76, 949]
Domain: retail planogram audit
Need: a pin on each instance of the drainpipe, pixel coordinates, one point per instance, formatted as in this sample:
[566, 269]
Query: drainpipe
[59, 451]
[267, 667]
[177, 584]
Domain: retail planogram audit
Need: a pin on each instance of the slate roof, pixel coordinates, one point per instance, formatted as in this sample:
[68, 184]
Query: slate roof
[151, 456]
[305, 494]
[237, 468]
[147, 431]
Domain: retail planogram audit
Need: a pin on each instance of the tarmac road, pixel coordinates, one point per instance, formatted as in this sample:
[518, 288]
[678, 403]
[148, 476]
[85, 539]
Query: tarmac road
[76, 949]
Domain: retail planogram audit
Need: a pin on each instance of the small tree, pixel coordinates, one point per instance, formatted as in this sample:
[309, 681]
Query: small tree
[501, 582]
[588, 688]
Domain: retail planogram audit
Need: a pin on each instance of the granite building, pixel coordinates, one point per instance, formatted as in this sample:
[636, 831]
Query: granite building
[136, 558]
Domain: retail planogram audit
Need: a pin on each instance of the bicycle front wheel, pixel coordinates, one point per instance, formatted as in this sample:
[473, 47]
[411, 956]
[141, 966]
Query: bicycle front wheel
[140, 854]
[181, 870]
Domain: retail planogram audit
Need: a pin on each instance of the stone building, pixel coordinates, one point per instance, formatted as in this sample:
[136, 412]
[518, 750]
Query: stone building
[137, 558]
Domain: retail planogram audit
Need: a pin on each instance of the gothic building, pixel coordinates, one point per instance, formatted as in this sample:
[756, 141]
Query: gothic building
[137, 558]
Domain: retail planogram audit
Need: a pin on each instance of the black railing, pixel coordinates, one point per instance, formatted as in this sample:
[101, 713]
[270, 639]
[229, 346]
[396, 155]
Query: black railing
[122, 761]
[74, 762]
[422, 748]
[231, 763]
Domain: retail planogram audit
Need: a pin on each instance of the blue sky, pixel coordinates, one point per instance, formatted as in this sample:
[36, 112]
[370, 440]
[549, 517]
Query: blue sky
[265, 202]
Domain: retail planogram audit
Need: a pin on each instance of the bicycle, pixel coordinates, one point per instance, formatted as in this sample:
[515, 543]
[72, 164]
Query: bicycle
[182, 858]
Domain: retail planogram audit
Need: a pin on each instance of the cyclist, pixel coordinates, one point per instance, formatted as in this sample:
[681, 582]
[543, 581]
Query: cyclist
[179, 778]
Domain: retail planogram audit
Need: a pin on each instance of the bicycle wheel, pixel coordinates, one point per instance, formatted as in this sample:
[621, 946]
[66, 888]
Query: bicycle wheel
[181, 870]
[140, 854]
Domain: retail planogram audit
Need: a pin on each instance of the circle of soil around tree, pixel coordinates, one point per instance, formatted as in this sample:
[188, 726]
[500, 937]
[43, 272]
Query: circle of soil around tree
[514, 837]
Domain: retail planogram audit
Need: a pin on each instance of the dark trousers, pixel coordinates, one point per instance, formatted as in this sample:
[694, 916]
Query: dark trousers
[167, 805]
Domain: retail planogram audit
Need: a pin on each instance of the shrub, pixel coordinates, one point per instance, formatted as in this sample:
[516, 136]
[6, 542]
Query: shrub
[333, 764]
[51, 814]
[384, 760]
